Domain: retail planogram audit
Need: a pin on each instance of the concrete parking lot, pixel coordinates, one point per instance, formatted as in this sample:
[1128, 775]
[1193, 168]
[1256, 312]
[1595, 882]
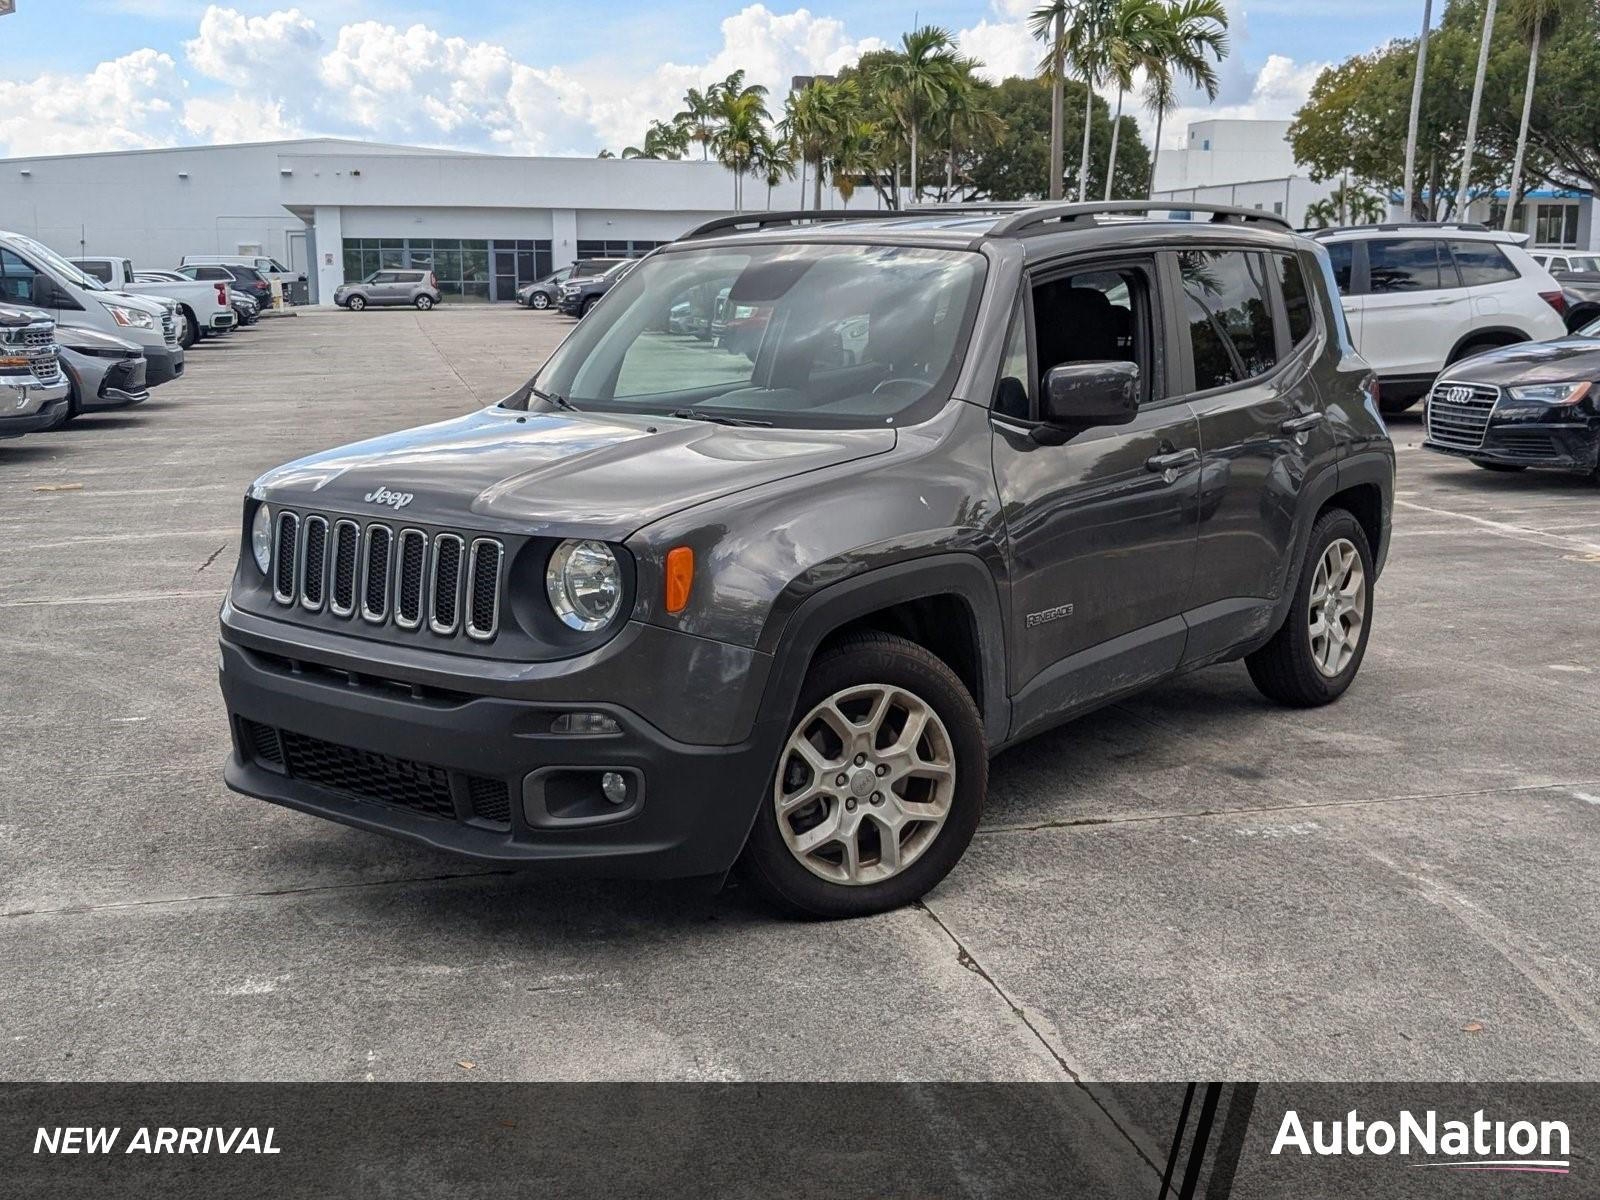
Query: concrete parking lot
[1192, 883]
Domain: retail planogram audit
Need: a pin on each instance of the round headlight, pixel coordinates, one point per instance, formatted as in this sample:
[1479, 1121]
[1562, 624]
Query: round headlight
[261, 538]
[585, 584]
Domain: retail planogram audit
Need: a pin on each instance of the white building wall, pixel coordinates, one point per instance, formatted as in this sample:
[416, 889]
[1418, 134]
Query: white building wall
[1226, 151]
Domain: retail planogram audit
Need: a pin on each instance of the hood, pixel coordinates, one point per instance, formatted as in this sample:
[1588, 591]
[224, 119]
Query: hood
[14, 316]
[93, 340]
[1558, 361]
[600, 475]
[154, 305]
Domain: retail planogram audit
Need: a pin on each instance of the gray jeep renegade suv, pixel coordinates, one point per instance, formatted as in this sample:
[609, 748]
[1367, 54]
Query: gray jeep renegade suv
[773, 584]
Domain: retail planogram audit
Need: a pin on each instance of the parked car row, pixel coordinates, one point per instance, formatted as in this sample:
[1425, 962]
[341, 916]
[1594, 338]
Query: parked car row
[93, 333]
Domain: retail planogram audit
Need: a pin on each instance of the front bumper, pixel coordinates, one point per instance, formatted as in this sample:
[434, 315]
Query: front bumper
[27, 406]
[1564, 445]
[122, 385]
[471, 773]
[162, 363]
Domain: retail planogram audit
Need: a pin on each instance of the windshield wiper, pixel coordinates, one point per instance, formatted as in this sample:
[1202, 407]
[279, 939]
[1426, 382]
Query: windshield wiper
[693, 414]
[559, 401]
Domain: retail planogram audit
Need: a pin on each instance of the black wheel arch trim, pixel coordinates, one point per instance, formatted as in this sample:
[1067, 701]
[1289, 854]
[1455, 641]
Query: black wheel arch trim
[1479, 334]
[793, 641]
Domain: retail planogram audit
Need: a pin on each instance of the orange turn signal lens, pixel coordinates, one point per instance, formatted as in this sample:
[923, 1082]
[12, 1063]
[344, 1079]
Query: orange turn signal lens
[680, 578]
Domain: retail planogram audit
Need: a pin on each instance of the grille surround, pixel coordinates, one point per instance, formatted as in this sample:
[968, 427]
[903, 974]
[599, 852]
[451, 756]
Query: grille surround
[441, 582]
[1459, 413]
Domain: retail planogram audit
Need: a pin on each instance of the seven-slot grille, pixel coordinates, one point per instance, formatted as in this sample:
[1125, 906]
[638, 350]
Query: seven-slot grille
[406, 577]
[1458, 413]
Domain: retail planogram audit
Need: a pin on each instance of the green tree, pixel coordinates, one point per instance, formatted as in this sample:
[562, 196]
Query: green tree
[917, 81]
[1135, 43]
[696, 118]
[1193, 33]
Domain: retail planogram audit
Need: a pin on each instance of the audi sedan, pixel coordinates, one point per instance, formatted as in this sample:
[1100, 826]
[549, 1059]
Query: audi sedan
[1533, 404]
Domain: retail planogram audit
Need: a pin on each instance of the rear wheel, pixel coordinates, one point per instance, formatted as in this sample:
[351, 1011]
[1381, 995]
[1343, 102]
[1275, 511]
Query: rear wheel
[424, 303]
[1316, 653]
[878, 788]
[356, 303]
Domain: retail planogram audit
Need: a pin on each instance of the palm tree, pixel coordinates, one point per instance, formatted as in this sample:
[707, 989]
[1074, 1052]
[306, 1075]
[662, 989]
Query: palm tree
[772, 162]
[966, 118]
[1087, 50]
[1464, 196]
[739, 113]
[1135, 42]
[1193, 33]
[695, 118]
[1048, 23]
[1320, 214]
[917, 79]
[1532, 17]
[661, 140]
[857, 151]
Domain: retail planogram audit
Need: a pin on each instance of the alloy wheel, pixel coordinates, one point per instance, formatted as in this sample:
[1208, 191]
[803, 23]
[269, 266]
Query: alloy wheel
[865, 783]
[1337, 608]
[539, 300]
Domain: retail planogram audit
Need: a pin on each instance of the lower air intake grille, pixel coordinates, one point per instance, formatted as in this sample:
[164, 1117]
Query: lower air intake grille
[366, 775]
[398, 781]
[1529, 444]
[491, 799]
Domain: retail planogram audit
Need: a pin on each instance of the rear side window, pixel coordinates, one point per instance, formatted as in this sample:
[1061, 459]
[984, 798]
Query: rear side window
[1482, 263]
[1228, 314]
[1296, 297]
[1343, 257]
[1407, 265]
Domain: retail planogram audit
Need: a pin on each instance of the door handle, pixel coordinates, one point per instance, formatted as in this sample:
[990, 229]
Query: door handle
[1162, 463]
[1302, 423]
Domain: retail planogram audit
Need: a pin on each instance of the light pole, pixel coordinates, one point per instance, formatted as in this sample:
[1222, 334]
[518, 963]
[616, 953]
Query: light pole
[1407, 193]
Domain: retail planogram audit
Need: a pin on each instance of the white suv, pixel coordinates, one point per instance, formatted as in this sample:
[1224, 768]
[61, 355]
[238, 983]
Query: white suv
[1420, 296]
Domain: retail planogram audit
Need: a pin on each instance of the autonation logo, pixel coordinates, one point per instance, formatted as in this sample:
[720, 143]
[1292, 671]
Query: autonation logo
[1477, 1145]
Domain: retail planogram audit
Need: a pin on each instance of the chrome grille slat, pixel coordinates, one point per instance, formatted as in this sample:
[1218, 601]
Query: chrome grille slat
[375, 574]
[483, 588]
[411, 563]
[313, 568]
[1458, 413]
[342, 582]
[445, 583]
[285, 557]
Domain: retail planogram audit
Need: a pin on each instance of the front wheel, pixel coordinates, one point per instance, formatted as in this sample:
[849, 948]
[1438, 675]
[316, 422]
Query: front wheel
[587, 305]
[878, 788]
[1316, 653]
[423, 303]
[188, 332]
[356, 303]
[539, 300]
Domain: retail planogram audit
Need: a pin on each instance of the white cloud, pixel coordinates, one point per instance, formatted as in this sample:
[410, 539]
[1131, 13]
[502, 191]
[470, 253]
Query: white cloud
[236, 119]
[127, 103]
[230, 46]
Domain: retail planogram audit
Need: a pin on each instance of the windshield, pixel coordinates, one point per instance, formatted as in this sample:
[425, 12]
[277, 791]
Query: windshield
[797, 335]
[58, 265]
[1581, 262]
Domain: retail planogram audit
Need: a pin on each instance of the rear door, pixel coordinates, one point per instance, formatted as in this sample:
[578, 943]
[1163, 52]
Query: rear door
[1251, 338]
[1415, 310]
[1501, 295]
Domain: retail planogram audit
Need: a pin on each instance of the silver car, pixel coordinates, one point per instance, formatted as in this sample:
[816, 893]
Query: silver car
[104, 372]
[392, 285]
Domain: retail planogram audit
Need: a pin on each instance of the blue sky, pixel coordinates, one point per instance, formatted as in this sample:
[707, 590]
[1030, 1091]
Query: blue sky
[526, 76]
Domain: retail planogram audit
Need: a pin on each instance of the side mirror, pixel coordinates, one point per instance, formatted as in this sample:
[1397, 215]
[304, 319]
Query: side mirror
[1085, 394]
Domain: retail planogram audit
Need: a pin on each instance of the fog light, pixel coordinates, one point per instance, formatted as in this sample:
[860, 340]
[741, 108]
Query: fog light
[615, 787]
[584, 724]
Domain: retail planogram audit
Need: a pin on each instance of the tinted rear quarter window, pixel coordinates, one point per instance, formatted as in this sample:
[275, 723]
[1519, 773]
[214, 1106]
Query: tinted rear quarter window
[1228, 314]
[1482, 263]
[1296, 297]
[1406, 265]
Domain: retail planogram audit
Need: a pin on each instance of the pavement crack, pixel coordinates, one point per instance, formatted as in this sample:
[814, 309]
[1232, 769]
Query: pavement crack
[211, 559]
[1145, 818]
[449, 366]
[80, 909]
[970, 962]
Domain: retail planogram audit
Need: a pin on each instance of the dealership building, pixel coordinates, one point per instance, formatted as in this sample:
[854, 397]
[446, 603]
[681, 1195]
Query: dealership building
[338, 210]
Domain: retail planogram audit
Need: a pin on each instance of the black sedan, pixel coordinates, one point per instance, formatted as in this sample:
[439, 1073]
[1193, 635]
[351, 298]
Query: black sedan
[1533, 404]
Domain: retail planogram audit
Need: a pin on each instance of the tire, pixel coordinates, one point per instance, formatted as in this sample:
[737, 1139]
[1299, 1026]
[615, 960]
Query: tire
[74, 404]
[1388, 407]
[1505, 468]
[1289, 668]
[855, 677]
[190, 333]
[539, 300]
[356, 303]
[423, 303]
[587, 305]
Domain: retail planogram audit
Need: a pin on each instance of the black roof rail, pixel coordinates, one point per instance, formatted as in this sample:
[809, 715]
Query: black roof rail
[1034, 215]
[751, 221]
[1401, 226]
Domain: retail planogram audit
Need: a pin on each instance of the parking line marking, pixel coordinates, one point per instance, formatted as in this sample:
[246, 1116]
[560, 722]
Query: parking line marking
[1516, 532]
[124, 598]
